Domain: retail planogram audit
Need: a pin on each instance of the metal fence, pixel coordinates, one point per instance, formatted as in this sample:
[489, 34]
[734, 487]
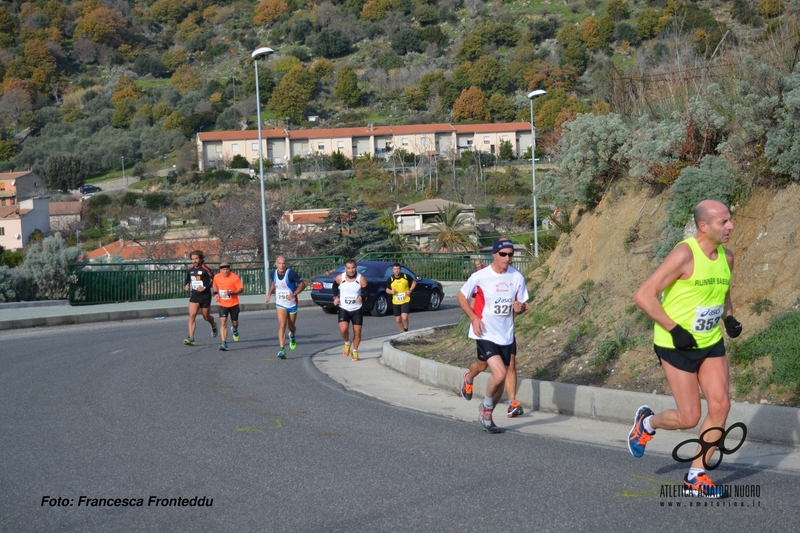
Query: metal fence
[129, 282]
[444, 266]
[98, 283]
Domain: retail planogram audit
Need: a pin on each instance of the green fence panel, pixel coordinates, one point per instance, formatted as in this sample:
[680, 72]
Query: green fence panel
[443, 266]
[130, 282]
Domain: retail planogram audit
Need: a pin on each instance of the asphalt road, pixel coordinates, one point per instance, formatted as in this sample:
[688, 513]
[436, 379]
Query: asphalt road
[124, 410]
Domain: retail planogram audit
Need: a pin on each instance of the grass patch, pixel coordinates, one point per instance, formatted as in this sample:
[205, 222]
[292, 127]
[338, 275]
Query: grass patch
[613, 347]
[781, 341]
[762, 305]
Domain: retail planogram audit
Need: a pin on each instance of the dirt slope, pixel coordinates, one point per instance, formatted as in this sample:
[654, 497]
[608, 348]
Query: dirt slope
[583, 306]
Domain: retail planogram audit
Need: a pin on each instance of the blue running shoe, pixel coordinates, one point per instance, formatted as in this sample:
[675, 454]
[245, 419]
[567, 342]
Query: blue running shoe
[282, 353]
[639, 437]
[223, 346]
[214, 330]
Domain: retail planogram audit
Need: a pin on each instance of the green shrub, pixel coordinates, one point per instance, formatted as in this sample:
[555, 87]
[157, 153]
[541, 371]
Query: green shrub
[781, 341]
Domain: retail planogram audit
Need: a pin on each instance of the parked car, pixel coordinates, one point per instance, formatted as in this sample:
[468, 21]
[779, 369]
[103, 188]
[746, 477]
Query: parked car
[88, 189]
[427, 295]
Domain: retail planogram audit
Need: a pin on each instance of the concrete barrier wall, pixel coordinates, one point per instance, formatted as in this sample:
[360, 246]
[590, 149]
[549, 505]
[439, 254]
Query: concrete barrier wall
[767, 423]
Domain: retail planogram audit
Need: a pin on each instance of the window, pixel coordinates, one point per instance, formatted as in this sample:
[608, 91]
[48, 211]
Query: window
[505, 137]
[2, 231]
[424, 141]
[218, 148]
[234, 148]
[486, 140]
[340, 145]
[405, 141]
[320, 146]
[254, 147]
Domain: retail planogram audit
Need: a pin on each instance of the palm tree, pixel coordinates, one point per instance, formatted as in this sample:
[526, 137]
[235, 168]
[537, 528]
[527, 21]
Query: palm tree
[454, 233]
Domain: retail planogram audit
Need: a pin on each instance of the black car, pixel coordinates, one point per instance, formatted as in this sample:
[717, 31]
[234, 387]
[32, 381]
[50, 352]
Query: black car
[88, 189]
[427, 295]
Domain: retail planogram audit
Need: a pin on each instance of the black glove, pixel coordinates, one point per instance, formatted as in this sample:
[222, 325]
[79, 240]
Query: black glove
[682, 339]
[732, 326]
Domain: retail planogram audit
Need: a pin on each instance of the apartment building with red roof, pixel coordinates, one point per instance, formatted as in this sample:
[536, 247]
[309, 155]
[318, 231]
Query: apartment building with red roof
[215, 149]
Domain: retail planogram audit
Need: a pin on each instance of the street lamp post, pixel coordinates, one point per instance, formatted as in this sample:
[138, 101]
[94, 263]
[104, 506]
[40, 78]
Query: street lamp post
[123, 170]
[166, 174]
[257, 54]
[531, 96]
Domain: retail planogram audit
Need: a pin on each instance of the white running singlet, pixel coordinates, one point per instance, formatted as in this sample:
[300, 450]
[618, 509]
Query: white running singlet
[495, 295]
[349, 291]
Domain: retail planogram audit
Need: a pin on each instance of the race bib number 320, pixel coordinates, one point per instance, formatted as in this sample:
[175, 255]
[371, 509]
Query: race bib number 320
[706, 318]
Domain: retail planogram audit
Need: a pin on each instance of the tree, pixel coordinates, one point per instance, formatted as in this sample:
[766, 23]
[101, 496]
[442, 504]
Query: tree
[617, 10]
[346, 88]
[102, 25]
[506, 151]
[268, 11]
[352, 229]
[230, 119]
[290, 97]
[186, 78]
[331, 42]
[125, 89]
[123, 114]
[236, 220]
[453, 232]
[471, 105]
[47, 264]
[590, 148]
[14, 103]
[8, 149]
[239, 161]
[501, 108]
[65, 172]
[407, 40]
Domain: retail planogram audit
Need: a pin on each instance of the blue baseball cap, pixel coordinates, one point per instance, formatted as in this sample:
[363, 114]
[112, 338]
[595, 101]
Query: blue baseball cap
[501, 243]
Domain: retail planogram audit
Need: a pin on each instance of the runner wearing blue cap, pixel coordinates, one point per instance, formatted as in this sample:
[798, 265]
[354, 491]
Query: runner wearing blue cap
[499, 294]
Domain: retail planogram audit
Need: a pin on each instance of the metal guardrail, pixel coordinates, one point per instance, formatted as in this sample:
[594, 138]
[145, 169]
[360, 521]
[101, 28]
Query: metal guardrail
[95, 283]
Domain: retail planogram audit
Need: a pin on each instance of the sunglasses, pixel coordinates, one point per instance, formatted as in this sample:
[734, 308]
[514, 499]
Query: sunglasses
[505, 254]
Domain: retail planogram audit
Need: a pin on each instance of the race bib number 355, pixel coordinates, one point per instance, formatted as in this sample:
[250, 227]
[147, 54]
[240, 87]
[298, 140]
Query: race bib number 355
[706, 318]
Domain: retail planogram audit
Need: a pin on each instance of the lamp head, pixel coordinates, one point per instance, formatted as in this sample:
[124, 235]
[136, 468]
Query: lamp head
[537, 92]
[262, 52]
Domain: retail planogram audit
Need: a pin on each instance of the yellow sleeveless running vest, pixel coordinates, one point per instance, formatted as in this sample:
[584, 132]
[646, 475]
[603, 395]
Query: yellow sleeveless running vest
[697, 303]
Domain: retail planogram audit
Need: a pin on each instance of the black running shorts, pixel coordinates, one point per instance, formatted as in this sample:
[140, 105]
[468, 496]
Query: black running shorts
[400, 309]
[202, 298]
[487, 349]
[689, 360]
[356, 317]
[232, 311]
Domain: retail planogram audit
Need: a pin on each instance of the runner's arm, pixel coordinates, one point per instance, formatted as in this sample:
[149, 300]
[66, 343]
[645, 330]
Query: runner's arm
[678, 263]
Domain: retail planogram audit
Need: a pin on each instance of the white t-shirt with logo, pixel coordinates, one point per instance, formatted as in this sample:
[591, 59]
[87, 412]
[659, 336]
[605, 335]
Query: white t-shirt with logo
[495, 295]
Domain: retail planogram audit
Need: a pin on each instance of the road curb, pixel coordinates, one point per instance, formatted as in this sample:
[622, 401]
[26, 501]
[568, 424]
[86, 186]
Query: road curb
[124, 314]
[765, 423]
